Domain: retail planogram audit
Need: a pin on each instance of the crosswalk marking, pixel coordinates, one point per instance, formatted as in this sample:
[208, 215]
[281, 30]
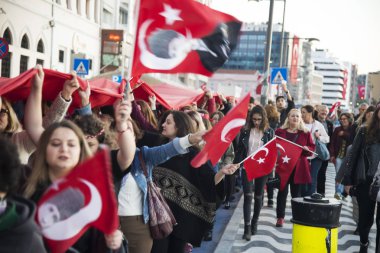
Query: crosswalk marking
[271, 239]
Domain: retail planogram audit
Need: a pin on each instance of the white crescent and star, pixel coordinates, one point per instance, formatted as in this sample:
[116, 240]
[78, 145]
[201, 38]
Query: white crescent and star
[285, 159]
[229, 126]
[70, 227]
[170, 14]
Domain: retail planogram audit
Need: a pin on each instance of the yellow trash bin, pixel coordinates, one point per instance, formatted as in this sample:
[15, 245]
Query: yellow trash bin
[315, 224]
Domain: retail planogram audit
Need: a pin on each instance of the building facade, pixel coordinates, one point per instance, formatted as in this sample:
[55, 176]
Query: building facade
[336, 78]
[58, 32]
[250, 52]
[374, 87]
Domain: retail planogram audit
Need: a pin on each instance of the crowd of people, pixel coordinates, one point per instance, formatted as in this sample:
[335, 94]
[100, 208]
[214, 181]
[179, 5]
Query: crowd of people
[41, 146]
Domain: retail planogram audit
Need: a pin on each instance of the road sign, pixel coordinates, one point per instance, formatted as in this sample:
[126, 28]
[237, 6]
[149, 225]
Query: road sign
[81, 66]
[116, 78]
[278, 75]
[4, 48]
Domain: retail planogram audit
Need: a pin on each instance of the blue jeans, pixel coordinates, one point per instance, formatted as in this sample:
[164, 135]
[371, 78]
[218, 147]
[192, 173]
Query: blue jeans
[338, 187]
[308, 189]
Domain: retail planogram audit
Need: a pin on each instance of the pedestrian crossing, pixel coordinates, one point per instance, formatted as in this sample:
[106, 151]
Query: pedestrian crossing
[271, 239]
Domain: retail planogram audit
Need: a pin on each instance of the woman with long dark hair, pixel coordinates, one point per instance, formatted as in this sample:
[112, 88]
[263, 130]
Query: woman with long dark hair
[255, 134]
[190, 192]
[362, 163]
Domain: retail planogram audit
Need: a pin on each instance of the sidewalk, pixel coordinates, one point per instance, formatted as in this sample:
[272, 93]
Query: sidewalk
[229, 227]
[223, 218]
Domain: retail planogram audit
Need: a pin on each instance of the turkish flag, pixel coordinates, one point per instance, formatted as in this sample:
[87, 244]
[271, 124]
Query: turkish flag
[219, 138]
[261, 162]
[333, 109]
[182, 36]
[84, 198]
[287, 159]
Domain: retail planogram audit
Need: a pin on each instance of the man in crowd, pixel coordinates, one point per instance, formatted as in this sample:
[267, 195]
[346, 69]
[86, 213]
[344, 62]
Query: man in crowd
[362, 108]
[322, 112]
[281, 103]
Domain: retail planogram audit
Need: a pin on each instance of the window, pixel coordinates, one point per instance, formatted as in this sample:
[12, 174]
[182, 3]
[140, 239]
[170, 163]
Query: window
[25, 42]
[58, 1]
[40, 47]
[23, 63]
[6, 65]
[88, 9]
[68, 4]
[40, 62]
[61, 56]
[123, 16]
[7, 36]
[79, 9]
[107, 16]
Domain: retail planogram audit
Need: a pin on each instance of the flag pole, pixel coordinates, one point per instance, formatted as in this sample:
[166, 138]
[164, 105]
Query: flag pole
[254, 153]
[129, 75]
[296, 145]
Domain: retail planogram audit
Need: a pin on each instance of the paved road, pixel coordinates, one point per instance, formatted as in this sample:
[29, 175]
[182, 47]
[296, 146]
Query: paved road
[228, 231]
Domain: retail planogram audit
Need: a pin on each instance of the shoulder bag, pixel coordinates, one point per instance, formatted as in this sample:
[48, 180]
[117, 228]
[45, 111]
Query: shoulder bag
[161, 218]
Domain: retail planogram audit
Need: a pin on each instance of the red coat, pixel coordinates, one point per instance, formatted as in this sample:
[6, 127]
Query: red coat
[302, 173]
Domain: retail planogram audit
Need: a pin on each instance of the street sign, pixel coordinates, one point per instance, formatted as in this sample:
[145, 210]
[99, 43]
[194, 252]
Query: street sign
[81, 66]
[116, 78]
[4, 48]
[278, 75]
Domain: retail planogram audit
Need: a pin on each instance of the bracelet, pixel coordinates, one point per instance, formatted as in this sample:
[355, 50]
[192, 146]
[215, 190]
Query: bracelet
[64, 98]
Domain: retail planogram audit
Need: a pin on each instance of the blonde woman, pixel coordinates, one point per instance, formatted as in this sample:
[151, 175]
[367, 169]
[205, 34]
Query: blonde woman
[294, 130]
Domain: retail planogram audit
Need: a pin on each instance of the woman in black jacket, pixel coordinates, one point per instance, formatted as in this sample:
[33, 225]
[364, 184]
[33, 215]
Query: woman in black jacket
[361, 167]
[254, 135]
[18, 231]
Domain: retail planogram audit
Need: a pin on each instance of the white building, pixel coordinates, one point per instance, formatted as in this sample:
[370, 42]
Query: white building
[336, 78]
[51, 33]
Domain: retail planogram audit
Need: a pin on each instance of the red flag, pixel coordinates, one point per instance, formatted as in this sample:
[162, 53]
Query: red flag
[294, 66]
[262, 162]
[333, 109]
[77, 202]
[182, 36]
[103, 91]
[222, 134]
[287, 159]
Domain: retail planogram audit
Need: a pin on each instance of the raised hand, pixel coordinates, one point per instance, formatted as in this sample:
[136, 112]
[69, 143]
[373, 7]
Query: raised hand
[70, 86]
[114, 240]
[197, 137]
[229, 169]
[85, 94]
[38, 79]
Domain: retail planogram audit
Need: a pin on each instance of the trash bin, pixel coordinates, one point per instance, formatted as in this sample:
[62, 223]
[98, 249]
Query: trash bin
[315, 224]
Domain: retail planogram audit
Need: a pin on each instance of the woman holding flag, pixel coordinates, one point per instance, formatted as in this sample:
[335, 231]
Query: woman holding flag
[293, 130]
[61, 147]
[254, 135]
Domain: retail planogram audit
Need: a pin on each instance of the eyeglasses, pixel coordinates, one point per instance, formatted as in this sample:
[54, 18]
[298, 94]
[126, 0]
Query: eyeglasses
[256, 119]
[4, 111]
[343, 119]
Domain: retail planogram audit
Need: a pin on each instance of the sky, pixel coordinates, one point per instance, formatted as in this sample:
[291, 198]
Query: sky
[349, 29]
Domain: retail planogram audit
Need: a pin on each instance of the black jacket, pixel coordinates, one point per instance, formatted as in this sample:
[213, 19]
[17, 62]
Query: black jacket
[242, 147]
[362, 160]
[23, 236]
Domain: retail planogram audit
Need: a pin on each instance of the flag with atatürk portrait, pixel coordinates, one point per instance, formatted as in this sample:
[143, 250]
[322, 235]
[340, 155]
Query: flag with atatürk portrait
[182, 36]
